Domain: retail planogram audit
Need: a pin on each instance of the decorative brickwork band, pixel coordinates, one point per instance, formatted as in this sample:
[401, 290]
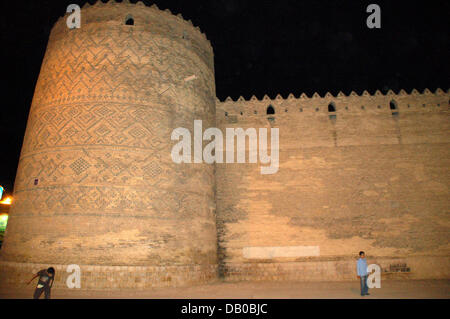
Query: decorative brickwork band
[113, 277]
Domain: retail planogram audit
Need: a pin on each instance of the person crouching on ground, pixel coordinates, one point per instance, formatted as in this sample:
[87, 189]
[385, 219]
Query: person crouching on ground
[361, 269]
[45, 282]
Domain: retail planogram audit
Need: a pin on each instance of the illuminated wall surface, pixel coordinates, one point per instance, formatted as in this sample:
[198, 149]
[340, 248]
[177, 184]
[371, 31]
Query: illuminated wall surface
[96, 185]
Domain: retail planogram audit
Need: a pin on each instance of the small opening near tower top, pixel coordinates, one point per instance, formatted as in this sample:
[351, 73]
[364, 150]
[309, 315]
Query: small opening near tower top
[270, 110]
[129, 20]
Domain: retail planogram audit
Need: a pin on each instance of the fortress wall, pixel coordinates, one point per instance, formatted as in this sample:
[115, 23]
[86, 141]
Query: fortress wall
[367, 180]
[96, 185]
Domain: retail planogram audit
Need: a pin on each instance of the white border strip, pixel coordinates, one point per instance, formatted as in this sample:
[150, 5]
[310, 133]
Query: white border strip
[284, 251]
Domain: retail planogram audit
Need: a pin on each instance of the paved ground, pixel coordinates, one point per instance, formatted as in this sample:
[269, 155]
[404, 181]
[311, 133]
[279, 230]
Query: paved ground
[264, 290]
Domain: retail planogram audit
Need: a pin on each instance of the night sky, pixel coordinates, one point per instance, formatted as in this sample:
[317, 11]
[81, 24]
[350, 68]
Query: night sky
[261, 47]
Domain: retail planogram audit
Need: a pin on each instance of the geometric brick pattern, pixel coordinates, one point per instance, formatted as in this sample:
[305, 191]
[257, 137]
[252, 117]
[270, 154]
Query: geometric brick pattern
[79, 166]
[98, 139]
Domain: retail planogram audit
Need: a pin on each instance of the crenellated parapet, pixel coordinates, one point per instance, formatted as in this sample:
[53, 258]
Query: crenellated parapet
[138, 6]
[353, 103]
[105, 17]
[365, 93]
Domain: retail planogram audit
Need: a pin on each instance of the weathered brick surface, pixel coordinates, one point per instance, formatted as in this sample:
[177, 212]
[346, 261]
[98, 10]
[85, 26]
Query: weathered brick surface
[112, 277]
[98, 143]
[366, 180]
[424, 267]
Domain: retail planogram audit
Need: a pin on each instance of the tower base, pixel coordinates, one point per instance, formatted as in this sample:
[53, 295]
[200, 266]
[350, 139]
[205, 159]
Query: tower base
[112, 277]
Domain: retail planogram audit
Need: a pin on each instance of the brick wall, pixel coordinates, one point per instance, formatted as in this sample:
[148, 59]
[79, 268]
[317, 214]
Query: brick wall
[363, 179]
[112, 277]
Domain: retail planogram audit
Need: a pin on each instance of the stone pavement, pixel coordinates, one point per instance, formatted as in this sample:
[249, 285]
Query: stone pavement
[410, 289]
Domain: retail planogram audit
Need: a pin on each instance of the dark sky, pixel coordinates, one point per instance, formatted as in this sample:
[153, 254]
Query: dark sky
[261, 47]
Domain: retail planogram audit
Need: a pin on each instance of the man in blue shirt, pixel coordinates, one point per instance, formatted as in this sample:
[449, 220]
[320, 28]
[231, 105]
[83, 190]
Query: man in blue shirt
[361, 269]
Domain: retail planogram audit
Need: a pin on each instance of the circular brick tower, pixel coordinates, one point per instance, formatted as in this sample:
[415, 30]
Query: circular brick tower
[96, 185]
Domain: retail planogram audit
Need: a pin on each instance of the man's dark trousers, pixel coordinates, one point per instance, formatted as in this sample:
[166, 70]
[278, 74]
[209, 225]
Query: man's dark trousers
[38, 292]
[364, 287]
